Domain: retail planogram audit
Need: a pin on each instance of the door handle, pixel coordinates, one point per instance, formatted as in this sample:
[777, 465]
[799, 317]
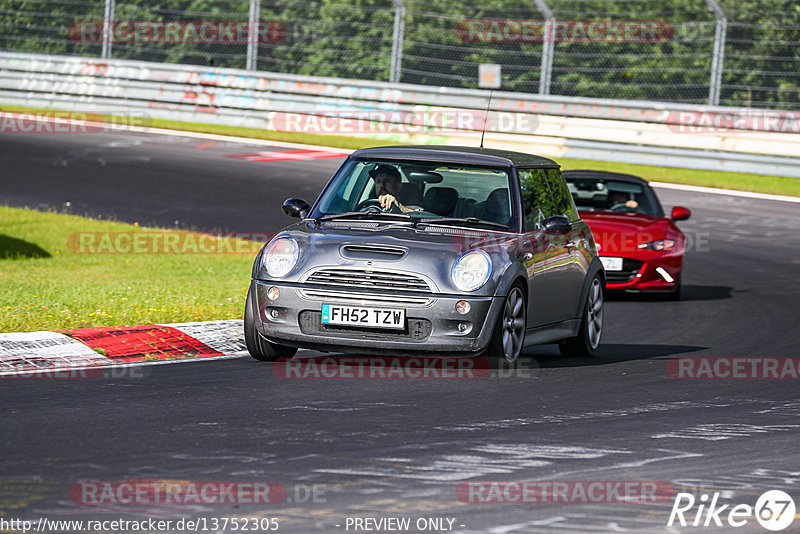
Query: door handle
[527, 256]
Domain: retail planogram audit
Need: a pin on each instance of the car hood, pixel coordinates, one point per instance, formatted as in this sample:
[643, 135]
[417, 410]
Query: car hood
[619, 233]
[443, 239]
[427, 250]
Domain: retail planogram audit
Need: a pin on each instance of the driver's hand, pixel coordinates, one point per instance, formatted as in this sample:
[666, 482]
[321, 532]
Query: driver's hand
[387, 201]
[632, 204]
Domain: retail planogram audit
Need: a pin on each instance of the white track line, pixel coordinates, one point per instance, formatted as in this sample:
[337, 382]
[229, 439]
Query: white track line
[226, 138]
[729, 192]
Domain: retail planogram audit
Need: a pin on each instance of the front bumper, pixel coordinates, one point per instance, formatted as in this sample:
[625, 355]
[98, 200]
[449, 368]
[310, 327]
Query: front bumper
[432, 322]
[653, 274]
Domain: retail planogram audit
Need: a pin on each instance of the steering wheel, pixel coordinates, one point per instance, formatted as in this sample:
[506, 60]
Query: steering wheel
[623, 208]
[373, 204]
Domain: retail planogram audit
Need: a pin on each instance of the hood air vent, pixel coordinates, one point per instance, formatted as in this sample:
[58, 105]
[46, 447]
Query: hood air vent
[373, 252]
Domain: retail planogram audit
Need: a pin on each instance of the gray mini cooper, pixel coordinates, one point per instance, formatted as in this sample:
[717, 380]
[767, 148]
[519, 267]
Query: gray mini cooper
[420, 250]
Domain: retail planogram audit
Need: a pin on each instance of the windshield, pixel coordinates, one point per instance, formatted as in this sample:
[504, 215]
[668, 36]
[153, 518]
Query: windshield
[423, 191]
[598, 194]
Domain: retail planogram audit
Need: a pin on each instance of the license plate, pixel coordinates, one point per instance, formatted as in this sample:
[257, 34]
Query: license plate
[367, 317]
[611, 264]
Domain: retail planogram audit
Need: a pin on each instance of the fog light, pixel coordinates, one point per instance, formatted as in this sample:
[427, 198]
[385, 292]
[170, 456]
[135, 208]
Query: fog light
[464, 327]
[462, 307]
[665, 275]
[273, 293]
[274, 314]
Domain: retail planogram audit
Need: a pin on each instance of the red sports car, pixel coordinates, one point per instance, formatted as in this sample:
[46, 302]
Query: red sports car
[641, 249]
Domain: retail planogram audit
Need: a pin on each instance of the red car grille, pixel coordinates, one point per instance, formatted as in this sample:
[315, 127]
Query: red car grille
[630, 268]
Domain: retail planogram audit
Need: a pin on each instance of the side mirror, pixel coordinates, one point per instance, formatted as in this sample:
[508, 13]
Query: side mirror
[557, 224]
[679, 213]
[296, 207]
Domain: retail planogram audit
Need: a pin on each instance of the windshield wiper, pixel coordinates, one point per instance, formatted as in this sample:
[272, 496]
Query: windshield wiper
[358, 214]
[470, 220]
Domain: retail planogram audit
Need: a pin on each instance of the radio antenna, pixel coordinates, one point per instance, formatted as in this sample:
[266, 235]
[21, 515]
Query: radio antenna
[486, 120]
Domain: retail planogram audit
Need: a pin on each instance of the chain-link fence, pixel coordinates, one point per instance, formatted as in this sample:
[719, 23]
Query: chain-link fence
[672, 65]
[730, 52]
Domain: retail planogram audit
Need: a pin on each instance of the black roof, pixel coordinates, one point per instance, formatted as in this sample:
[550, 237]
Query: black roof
[456, 154]
[604, 175]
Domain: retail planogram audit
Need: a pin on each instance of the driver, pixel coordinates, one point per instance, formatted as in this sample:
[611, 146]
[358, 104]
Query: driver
[387, 186]
[619, 199]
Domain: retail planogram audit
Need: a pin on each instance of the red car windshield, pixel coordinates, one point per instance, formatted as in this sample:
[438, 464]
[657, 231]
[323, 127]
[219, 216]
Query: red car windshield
[598, 194]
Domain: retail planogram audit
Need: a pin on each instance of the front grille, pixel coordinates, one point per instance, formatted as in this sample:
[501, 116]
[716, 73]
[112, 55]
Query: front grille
[630, 268]
[368, 299]
[416, 329]
[353, 279]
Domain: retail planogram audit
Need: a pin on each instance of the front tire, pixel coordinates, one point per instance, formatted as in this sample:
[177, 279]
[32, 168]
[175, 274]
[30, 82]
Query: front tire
[509, 331]
[588, 339]
[258, 347]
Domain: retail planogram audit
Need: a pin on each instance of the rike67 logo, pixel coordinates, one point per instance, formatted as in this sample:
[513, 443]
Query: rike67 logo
[774, 510]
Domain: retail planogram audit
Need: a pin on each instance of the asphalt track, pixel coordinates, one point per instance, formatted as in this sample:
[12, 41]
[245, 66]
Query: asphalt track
[400, 448]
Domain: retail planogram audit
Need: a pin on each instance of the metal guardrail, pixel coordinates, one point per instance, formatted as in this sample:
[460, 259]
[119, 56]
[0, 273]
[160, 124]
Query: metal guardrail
[611, 130]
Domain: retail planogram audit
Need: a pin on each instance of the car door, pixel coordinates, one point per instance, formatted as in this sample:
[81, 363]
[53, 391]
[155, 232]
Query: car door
[542, 253]
[574, 245]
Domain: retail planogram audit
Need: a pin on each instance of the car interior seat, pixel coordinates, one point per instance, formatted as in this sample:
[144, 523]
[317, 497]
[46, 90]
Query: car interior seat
[440, 200]
[410, 195]
[497, 206]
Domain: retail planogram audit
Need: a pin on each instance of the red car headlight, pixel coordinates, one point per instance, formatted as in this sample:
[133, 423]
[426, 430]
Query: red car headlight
[659, 244]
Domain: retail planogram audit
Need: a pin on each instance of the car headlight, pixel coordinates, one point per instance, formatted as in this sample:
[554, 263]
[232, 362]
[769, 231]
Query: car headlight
[659, 244]
[280, 256]
[471, 270]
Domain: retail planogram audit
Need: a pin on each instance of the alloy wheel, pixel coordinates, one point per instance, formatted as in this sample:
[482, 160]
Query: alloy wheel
[513, 326]
[595, 315]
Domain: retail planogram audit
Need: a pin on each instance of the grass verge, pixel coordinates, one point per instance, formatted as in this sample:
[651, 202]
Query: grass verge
[777, 185]
[58, 271]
